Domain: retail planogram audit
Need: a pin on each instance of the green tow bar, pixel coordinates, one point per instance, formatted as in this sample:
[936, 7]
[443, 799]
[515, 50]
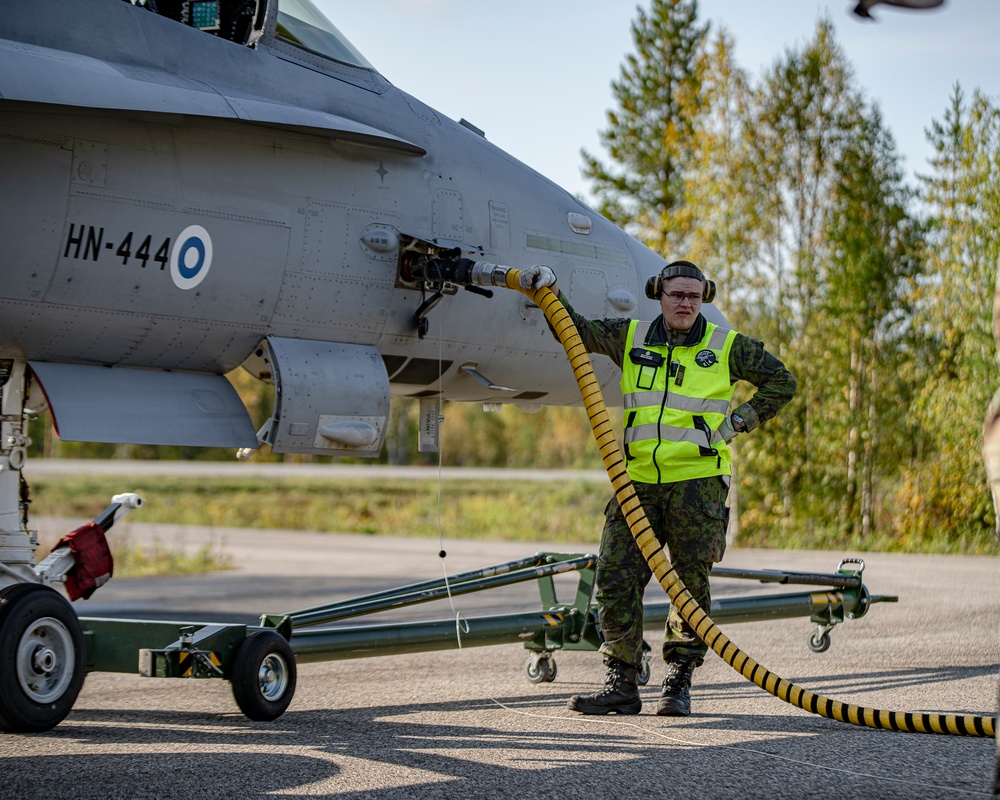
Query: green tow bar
[260, 660]
[559, 626]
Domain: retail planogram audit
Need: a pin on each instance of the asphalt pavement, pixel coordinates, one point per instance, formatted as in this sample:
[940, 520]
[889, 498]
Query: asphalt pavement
[467, 723]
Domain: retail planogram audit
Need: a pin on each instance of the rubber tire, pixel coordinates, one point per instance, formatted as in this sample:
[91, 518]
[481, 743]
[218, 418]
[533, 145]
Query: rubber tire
[643, 673]
[819, 644]
[21, 605]
[250, 657]
[543, 672]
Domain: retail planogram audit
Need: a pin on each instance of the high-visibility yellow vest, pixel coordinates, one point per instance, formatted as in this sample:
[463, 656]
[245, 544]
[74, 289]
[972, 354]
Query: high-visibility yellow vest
[676, 397]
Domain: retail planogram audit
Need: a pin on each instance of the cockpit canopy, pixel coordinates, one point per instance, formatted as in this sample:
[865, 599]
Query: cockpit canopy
[296, 22]
[302, 24]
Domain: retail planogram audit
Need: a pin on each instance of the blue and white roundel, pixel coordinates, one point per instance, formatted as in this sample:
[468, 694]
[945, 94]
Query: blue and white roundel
[190, 257]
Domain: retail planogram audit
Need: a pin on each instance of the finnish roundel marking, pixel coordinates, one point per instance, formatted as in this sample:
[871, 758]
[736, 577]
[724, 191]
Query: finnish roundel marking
[705, 358]
[190, 257]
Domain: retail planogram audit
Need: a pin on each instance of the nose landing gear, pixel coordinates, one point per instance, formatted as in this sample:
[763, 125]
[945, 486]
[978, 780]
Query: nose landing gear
[42, 658]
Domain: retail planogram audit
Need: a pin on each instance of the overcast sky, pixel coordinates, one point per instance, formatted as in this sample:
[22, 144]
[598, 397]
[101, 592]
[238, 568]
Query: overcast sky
[535, 75]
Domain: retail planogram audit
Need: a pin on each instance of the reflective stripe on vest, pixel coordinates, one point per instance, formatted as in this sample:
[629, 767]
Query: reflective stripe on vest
[668, 433]
[673, 409]
[695, 405]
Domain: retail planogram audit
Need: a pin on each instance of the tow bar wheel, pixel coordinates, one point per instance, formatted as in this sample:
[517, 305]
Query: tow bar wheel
[42, 658]
[540, 667]
[263, 678]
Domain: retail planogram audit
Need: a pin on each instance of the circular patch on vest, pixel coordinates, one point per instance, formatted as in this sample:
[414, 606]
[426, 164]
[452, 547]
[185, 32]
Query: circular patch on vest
[705, 358]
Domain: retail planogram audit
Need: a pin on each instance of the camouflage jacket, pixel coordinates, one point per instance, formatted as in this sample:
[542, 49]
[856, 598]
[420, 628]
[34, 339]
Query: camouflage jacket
[748, 360]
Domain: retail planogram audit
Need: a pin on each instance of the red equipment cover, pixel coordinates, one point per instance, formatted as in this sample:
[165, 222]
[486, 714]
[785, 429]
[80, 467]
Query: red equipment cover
[94, 563]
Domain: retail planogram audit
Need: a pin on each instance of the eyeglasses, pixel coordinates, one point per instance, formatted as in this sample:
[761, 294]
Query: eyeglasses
[679, 297]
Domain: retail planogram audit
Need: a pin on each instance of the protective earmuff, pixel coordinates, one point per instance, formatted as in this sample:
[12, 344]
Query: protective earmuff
[679, 269]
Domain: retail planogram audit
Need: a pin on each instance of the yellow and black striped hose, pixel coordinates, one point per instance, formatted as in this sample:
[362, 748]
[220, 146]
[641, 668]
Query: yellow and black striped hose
[680, 598]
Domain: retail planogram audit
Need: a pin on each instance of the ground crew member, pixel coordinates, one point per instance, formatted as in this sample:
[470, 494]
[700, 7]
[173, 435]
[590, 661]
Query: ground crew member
[677, 381]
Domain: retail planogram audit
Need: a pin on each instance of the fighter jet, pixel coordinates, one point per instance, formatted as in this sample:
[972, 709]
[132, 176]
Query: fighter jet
[194, 186]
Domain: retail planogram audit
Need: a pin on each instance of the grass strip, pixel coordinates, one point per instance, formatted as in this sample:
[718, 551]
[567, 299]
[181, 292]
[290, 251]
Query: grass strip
[570, 511]
[556, 511]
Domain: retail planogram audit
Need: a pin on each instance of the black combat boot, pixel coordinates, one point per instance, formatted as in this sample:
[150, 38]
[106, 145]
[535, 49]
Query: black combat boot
[619, 696]
[676, 698]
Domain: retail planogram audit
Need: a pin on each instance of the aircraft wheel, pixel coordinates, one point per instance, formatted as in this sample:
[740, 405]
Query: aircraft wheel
[540, 669]
[42, 658]
[263, 678]
[819, 643]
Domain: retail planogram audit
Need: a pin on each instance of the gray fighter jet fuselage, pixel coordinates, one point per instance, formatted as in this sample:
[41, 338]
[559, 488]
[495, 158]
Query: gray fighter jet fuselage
[176, 204]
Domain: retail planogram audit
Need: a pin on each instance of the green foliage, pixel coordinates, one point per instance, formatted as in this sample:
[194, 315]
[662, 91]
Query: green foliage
[719, 189]
[874, 248]
[652, 134]
[133, 560]
[802, 115]
[944, 488]
[553, 438]
[515, 510]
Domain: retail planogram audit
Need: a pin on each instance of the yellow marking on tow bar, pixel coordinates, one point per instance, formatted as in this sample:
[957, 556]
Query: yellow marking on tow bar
[186, 663]
[552, 619]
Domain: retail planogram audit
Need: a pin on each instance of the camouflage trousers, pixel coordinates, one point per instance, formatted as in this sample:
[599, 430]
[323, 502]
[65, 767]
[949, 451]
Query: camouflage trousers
[688, 518]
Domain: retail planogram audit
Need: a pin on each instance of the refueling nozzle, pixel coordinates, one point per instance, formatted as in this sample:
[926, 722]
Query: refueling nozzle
[449, 267]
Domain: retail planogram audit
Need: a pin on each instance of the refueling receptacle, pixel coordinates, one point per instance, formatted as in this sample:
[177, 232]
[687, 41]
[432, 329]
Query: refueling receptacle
[437, 272]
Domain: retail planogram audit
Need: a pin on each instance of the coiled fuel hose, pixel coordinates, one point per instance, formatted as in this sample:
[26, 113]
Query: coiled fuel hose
[680, 598]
